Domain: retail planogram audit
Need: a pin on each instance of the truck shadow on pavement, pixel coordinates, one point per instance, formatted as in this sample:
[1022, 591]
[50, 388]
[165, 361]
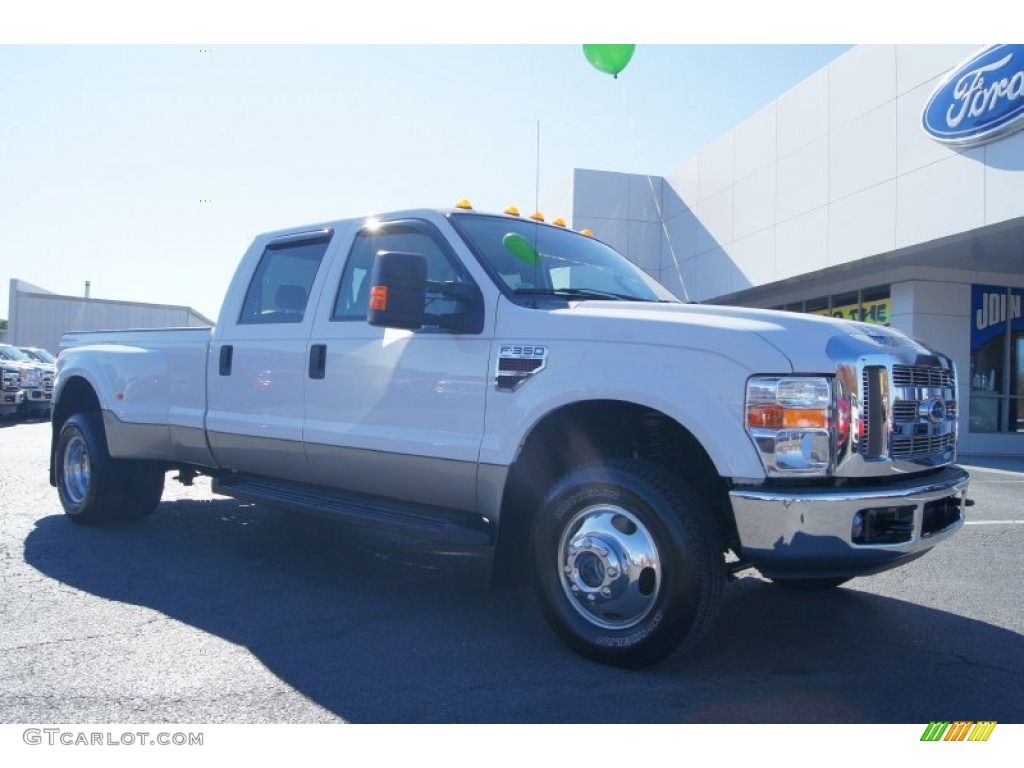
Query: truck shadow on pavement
[377, 628]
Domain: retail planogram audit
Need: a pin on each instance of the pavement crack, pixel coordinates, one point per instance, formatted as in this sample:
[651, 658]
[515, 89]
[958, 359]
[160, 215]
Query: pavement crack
[98, 636]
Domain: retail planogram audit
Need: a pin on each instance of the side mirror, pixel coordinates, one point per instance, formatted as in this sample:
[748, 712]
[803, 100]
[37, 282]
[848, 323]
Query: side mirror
[398, 286]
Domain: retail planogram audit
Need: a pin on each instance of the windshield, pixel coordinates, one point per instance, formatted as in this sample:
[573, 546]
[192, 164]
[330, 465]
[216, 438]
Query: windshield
[41, 355]
[10, 353]
[531, 259]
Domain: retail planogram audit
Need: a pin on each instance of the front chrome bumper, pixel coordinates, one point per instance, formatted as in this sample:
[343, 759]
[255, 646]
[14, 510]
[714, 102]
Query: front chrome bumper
[12, 399]
[808, 533]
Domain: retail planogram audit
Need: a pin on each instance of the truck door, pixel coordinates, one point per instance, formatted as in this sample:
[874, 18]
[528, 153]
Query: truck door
[255, 406]
[392, 412]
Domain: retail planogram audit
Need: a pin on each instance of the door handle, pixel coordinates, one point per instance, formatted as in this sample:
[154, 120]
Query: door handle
[317, 361]
[226, 353]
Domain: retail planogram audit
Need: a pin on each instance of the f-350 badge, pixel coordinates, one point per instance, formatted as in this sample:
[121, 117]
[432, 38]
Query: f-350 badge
[517, 363]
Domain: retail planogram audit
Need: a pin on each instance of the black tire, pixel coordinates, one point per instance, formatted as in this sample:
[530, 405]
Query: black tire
[811, 585]
[93, 487]
[143, 489]
[595, 531]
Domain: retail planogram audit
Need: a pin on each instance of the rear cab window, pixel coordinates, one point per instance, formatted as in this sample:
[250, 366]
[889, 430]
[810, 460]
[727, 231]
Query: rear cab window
[280, 287]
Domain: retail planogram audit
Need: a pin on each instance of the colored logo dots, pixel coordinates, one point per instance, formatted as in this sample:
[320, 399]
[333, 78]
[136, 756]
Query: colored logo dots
[207, 200]
[206, 50]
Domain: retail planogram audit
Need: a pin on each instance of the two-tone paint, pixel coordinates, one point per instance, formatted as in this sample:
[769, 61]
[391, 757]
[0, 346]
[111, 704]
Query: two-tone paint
[421, 416]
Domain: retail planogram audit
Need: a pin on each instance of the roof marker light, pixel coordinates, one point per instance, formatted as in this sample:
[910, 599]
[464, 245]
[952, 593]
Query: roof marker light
[537, 216]
[464, 204]
[586, 232]
[559, 222]
[511, 211]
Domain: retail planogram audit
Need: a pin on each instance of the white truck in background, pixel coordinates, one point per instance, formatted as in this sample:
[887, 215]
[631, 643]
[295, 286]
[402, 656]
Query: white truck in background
[495, 380]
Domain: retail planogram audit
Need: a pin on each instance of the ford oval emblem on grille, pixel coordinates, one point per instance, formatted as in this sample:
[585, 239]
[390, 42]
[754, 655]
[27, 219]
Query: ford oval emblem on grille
[933, 409]
[982, 99]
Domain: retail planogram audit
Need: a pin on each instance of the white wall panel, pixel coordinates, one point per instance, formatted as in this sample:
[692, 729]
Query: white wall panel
[644, 245]
[915, 148]
[802, 114]
[683, 181]
[714, 218]
[754, 257]
[862, 153]
[1004, 179]
[917, 64]
[941, 199]
[645, 197]
[600, 193]
[715, 168]
[801, 244]
[939, 298]
[802, 180]
[860, 81]
[863, 224]
[754, 202]
[715, 273]
[671, 253]
[684, 232]
[755, 143]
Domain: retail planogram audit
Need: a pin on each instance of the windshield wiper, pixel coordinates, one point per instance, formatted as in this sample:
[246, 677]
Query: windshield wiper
[577, 293]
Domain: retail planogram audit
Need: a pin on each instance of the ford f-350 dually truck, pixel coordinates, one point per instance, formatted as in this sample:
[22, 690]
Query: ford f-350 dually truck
[496, 380]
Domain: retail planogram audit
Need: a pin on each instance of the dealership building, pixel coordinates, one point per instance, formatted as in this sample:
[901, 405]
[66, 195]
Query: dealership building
[858, 194]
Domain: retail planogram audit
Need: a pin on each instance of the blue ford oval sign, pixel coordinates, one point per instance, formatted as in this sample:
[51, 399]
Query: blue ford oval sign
[980, 100]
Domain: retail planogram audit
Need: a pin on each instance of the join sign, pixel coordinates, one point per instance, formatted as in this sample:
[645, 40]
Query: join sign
[980, 100]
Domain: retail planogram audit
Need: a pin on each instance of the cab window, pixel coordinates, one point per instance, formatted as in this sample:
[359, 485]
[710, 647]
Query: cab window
[279, 291]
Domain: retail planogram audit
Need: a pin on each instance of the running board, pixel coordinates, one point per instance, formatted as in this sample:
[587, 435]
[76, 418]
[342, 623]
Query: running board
[436, 523]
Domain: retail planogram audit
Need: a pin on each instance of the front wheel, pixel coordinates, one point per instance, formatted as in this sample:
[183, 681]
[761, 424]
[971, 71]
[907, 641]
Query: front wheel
[625, 563]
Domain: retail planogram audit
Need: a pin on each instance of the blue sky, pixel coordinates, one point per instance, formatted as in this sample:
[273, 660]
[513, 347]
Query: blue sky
[108, 151]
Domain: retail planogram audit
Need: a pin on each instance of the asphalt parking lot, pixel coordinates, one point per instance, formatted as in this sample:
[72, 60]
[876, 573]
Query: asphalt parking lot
[214, 611]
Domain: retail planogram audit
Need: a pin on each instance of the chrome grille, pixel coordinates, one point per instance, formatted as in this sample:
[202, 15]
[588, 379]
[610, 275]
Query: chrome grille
[908, 410]
[905, 410]
[48, 382]
[920, 421]
[920, 446]
[921, 376]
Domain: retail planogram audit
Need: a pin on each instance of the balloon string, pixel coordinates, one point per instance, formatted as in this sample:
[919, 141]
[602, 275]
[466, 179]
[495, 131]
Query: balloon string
[654, 195]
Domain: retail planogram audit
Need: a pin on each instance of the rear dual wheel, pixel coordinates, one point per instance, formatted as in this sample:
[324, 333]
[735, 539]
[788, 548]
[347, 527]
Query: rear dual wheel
[95, 488]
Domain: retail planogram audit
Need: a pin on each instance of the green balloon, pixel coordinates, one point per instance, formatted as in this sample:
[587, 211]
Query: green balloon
[610, 59]
[521, 248]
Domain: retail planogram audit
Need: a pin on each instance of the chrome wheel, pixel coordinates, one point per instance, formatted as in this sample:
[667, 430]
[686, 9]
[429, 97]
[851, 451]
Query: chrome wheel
[626, 562]
[77, 470]
[610, 567]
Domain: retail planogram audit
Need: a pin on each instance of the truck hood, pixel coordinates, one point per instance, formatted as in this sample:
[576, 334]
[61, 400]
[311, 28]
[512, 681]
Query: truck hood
[810, 343]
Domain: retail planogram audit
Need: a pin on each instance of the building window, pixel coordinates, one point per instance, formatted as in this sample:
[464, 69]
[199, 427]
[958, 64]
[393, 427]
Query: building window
[871, 305]
[997, 359]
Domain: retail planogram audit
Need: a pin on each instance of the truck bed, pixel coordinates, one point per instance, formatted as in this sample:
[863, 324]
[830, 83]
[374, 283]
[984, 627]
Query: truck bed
[154, 380]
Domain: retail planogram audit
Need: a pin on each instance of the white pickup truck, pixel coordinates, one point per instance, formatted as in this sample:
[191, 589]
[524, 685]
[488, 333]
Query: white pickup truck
[495, 380]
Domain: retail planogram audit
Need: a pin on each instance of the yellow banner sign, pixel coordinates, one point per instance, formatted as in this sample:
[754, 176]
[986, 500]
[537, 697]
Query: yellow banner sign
[877, 312]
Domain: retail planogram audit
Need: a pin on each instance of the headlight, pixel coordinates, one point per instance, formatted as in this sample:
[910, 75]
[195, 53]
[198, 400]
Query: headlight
[790, 420]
